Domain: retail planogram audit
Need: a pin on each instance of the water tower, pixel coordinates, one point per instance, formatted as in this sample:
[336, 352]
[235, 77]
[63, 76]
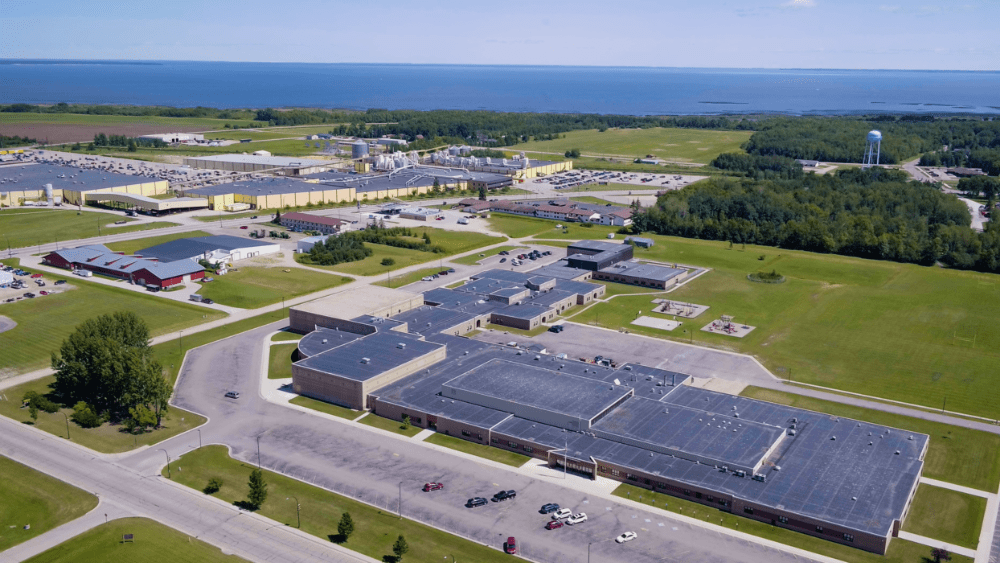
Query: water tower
[873, 149]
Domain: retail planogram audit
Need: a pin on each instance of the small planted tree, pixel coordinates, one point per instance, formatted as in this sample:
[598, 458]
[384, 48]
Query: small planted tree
[258, 489]
[406, 422]
[388, 261]
[400, 547]
[346, 526]
[940, 554]
[213, 486]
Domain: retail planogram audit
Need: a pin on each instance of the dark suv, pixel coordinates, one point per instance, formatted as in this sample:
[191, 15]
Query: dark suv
[476, 501]
[504, 495]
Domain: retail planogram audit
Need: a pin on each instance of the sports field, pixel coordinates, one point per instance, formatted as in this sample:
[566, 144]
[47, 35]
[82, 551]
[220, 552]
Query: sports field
[253, 287]
[152, 542]
[43, 322]
[375, 529]
[897, 331]
[26, 227]
[681, 145]
[135, 245]
[31, 497]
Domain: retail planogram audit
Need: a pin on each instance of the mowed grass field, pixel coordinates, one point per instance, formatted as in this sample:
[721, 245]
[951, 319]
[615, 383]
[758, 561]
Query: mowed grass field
[374, 529]
[970, 458]
[280, 360]
[253, 287]
[43, 322]
[153, 542]
[682, 145]
[897, 331]
[482, 450]
[32, 497]
[137, 244]
[26, 227]
[946, 515]
[453, 242]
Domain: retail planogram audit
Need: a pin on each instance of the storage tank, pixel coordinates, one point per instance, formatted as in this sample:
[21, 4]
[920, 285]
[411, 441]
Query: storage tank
[48, 193]
[359, 149]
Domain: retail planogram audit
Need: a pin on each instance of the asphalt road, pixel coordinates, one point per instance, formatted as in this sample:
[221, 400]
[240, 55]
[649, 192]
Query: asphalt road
[370, 466]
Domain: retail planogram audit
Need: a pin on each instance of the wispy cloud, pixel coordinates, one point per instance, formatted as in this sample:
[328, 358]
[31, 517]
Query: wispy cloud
[800, 4]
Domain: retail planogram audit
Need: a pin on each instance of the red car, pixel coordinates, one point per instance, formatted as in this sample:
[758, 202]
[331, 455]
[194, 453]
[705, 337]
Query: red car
[36, 275]
[43, 292]
[244, 227]
[433, 487]
[511, 546]
[553, 524]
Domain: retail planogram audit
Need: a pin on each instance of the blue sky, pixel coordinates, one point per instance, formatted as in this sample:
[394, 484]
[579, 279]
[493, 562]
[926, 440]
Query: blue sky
[911, 34]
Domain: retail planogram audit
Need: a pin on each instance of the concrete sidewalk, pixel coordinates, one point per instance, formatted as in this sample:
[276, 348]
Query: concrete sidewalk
[104, 512]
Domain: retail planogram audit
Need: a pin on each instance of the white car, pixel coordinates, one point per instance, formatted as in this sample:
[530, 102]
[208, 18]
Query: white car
[577, 518]
[562, 513]
[627, 536]
[427, 278]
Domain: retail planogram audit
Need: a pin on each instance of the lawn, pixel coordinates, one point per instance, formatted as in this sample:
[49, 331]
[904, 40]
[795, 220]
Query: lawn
[517, 331]
[897, 331]
[284, 336]
[377, 421]
[375, 529]
[254, 287]
[228, 216]
[515, 226]
[900, 551]
[956, 455]
[474, 259]
[453, 242]
[946, 515]
[23, 227]
[280, 364]
[676, 144]
[153, 542]
[328, 408]
[106, 438]
[592, 199]
[481, 450]
[171, 353]
[409, 277]
[32, 497]
[137, 244]
[44, 322]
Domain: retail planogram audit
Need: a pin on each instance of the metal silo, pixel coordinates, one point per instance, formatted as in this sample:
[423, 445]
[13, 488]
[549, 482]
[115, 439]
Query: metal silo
[359, 149]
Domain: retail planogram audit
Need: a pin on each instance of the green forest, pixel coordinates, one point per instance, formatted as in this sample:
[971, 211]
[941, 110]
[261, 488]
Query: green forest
[873, 213]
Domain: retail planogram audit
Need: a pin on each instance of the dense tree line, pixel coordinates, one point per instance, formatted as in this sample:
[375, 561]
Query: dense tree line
[15, 141]
[339, 249]
[350, 246]
[757, 166]
[106, 369]
[986, 159]
[842, 139]
[872, 213]
[156, 111]
[985, 186]
[104, 140]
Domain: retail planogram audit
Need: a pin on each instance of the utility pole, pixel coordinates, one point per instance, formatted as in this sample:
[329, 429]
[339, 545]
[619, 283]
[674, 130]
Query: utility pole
[67, 426]
[168, 461]
[199, 437]
[298, 519]
[180, 342]
[258, 452]
[399, 506]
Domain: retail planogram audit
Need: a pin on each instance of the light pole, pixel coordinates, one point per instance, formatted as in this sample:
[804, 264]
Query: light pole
[399, 506]
[180, 342]
[298, 519]
[67, 426]
[168, 461]
[199, 437]
[258, 451]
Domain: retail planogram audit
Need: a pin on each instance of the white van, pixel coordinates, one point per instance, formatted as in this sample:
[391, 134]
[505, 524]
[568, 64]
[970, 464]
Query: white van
[195, 297]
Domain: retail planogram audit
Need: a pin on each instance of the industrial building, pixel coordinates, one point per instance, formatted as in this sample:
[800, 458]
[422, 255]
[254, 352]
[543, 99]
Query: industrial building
[518, 167]
[175, 137]
[217, 249]
[564, 210]
[281, 165]
[137, 270]
[596, 255]
[418, 213]
[27, 183]
[300, 222]
[645, 275]
[402, 354]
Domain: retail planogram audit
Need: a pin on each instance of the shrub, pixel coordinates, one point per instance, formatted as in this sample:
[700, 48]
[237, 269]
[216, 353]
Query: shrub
[213, 486]
[388, 261]
[84, 416]
[40, 402]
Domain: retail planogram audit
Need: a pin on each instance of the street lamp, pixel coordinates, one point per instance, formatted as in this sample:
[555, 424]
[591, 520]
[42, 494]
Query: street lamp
[199, 437]
[168, 461]
[258, 451]
[298, 519]
[67, 425]
[399, 506]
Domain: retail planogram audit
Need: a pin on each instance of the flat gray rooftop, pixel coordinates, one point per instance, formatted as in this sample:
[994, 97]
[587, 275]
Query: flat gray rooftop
[381, 349]
[645, 271]
[552, 391]
[323, 339]
[35, 176]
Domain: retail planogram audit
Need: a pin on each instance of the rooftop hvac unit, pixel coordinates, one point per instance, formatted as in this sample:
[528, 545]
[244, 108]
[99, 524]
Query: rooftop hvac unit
[366, 360]
[402, 345]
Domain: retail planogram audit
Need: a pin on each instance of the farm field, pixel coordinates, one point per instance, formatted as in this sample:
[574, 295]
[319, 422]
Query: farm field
[896, 331]
[106, 438]
[152, 541]
[43, 322]
[375, 529]
[682, 145]
[957, 455]
[453, 242]
[26, 227]
[71, 127]
[135, 245]
[900, 550]
[32, 497]
[253, 287]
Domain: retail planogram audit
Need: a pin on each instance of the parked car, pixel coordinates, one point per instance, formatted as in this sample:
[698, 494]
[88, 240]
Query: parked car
[510, 546]
[244, 227]
[577, 518]
[476, 501]
[549, 508]
[502, 260]
[29, 295]
[36, 275]
[207, 301]
[451, 270]
[557, 328]
[43, 292]
[428, 487]
[232, 395]
[504, 495]
[562, 513]
[60, 282]
[554, 524]
[426, 278]
[627, 536]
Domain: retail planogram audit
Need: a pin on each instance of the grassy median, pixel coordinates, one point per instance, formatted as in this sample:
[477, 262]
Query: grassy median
[321, 510]
[481, 450]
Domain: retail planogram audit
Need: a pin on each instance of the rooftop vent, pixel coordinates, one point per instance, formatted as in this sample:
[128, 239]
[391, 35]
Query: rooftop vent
[366, 360]
[834, 438]
[401, 345]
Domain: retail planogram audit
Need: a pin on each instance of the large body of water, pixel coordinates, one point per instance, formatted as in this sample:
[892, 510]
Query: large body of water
[566, 89]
